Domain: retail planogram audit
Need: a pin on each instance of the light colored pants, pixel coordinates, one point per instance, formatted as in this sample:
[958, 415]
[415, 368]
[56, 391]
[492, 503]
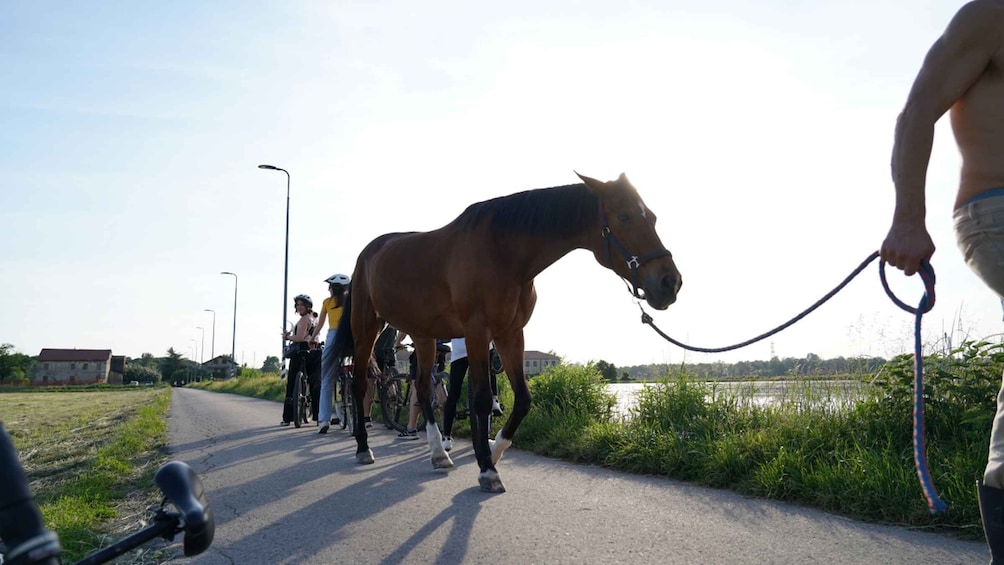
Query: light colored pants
[328, 380]
[979, 231]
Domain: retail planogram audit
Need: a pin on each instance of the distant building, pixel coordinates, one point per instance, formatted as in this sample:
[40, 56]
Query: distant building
[218, 366]
[72, 367]
[536, 362]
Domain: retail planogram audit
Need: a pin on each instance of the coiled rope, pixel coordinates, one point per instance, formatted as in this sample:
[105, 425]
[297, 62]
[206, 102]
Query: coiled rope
[934, 502]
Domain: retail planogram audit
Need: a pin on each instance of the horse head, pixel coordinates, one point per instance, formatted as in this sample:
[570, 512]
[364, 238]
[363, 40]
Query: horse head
[630, 245]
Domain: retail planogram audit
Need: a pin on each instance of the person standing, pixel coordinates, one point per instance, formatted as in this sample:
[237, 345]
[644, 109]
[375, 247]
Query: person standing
[299, 338]
[963, 73]
[331, 311]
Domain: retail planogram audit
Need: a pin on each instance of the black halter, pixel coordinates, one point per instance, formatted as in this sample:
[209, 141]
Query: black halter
[634, 262]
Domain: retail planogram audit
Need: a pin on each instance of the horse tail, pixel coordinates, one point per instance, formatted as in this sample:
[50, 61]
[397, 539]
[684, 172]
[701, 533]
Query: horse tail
[345, 344]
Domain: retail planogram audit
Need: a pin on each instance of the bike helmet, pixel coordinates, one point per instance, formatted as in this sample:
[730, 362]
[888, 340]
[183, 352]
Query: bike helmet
[305, 299]
[338, 279]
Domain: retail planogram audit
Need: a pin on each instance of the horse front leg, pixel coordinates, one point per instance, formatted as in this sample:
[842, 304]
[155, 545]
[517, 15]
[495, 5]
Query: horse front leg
[481, 406]
[510, 349]
[425, 350]
[365, 326]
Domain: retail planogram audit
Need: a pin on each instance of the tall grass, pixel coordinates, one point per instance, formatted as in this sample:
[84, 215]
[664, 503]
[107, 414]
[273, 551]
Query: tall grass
[813, 447]
[259, 385]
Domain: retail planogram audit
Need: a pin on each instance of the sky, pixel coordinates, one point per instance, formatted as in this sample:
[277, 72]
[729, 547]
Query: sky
[760, 133]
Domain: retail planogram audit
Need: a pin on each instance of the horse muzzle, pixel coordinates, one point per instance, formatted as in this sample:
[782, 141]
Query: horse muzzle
[662, 287]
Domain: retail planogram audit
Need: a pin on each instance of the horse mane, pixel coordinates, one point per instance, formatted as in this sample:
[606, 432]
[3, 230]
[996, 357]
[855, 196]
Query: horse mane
[558, 211]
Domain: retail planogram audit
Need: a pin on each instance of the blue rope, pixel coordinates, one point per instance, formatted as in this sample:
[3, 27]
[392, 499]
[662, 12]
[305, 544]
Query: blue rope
[934, 503]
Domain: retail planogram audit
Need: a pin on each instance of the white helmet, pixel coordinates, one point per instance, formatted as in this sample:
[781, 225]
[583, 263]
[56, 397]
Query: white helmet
[338, 279]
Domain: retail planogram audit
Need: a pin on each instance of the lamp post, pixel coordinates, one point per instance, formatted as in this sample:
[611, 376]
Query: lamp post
[285, 280]
[195, 355]
[233, 345]
[202, 358]
[212, 347]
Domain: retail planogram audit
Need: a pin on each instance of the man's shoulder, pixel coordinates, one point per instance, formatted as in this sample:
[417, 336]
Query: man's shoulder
[978, 12]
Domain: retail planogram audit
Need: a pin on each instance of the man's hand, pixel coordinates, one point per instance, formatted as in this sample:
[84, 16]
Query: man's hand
[907, 246]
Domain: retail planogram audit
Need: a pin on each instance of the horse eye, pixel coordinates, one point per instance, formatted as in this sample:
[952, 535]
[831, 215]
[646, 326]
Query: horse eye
[623, 218]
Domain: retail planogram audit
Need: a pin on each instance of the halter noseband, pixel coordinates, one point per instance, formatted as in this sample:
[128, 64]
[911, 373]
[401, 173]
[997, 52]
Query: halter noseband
[633, 262]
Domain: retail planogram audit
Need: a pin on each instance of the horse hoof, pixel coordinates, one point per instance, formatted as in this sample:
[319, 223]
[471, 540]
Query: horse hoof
[365, 457]
[442, 462]
[489, 481]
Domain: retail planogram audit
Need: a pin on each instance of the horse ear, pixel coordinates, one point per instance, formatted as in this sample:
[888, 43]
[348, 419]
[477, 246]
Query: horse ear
[594, 185]
[623, 179]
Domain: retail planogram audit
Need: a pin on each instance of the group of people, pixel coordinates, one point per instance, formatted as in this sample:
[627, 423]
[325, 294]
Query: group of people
[307, 354]
[319, 364]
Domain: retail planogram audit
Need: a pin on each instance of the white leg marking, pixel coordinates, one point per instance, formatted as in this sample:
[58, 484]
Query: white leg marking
[440, 459]
[499, 446]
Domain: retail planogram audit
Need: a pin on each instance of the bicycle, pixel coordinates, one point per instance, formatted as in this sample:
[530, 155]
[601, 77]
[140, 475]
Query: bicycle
[302, 403]
[29, 543]
[394, 395]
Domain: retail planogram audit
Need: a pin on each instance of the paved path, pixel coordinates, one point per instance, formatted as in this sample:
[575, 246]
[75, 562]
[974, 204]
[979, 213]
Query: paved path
[282, 495]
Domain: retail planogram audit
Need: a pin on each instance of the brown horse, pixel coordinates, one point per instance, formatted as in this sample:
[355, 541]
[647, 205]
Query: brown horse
[473, 278]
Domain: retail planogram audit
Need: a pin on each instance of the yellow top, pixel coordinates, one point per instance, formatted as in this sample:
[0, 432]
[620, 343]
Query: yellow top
[333, 313]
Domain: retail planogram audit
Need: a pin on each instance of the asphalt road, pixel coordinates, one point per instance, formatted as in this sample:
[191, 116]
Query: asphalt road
[286, 495]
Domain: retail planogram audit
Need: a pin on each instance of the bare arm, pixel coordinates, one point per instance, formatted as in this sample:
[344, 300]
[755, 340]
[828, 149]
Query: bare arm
[953, 64]
[320, 324]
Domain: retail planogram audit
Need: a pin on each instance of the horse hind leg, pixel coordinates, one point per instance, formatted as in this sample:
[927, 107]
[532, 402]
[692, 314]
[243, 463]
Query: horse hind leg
[440, 458]
[426, 351]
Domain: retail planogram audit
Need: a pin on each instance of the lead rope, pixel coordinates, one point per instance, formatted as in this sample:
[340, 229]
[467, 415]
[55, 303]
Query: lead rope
[934, 503]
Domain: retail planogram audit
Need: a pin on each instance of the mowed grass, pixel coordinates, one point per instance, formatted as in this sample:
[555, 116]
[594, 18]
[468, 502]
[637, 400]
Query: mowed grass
[86, 452]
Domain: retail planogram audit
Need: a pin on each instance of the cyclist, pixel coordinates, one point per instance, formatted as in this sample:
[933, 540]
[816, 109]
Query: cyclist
[458, 370]
[300, 337]
[331, 311]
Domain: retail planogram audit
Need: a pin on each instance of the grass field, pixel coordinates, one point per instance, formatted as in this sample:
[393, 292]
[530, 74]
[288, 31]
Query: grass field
[90, 457]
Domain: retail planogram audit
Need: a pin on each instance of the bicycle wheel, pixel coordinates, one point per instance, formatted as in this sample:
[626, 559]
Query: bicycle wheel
[307, 399]
[348, 406]
[495, 363]
[394, 403]
[298, 399]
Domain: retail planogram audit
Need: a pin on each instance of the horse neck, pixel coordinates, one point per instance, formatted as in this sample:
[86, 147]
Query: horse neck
[530, 259]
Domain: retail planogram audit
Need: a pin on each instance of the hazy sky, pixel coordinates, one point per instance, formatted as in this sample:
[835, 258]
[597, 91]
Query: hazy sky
[759, 132]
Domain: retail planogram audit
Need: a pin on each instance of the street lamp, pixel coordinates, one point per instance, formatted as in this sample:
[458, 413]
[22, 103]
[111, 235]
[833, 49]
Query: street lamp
[212, 347]
[285, 280]
[233, 345]
[202, 359]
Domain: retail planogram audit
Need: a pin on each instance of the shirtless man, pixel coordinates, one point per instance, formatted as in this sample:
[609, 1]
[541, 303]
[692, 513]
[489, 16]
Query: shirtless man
[963, 72]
